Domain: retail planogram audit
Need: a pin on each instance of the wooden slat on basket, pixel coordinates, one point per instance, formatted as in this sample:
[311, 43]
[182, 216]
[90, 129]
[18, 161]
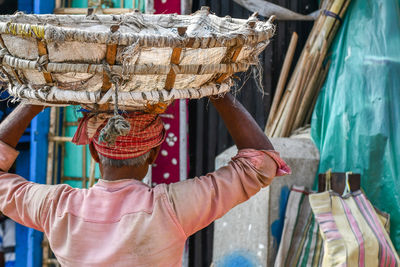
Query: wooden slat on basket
[233, 52]
[175, 59]
[231, 57]
[111, 54]
[42, 49]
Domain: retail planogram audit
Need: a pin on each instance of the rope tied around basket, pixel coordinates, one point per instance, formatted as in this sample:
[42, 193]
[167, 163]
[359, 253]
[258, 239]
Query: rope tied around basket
[116, 125]
[3, 52]
[41, 62]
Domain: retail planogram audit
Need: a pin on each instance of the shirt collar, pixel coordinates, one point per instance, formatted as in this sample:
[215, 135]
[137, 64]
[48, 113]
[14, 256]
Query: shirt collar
[118, 183]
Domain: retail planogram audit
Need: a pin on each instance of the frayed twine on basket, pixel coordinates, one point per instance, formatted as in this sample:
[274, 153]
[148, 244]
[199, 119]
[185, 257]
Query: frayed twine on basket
[116, 125]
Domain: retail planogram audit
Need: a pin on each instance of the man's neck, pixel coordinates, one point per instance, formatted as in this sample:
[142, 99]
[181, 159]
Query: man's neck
[126, 172]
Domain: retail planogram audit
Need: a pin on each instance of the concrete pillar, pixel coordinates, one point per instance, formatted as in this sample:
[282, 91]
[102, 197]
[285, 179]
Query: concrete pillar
[249, 234]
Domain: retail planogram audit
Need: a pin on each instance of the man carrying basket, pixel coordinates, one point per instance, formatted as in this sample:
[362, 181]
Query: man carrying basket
[121, 221]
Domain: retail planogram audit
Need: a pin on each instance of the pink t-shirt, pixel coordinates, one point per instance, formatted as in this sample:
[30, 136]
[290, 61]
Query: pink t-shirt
[125, 222]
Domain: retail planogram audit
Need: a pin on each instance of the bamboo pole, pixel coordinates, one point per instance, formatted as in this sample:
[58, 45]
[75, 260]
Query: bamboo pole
[49, 173]
[277, 126]
[277, 117]
[57, 147]
[319, 85]
[50, 150]
[84, 158]
[58, 4]
[289, 112]
[293, 109]
[60, 139]
[307, 99]
[45, 252]
[92, 171]
[282, 78]
[63, 131]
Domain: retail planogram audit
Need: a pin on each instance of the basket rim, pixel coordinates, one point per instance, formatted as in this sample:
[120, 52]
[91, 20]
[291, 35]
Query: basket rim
[245, 32]
[52, 95]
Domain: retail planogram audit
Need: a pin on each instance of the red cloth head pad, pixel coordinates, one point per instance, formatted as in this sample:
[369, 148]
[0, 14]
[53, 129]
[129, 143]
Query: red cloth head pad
[146, 132]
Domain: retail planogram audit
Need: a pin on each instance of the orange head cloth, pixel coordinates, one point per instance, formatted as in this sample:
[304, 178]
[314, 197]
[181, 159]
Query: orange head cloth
[146, 132]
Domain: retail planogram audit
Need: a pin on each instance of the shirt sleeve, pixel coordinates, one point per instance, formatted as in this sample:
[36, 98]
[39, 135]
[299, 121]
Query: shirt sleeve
[23, 201]
[198, 202]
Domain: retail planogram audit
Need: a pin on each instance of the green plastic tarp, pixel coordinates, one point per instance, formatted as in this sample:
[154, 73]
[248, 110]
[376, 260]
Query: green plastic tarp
[356, 121]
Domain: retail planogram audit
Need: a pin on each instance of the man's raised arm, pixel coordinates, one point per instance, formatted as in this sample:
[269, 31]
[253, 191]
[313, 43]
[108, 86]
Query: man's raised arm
[241, 125]
[20, 200]
[199, 201]
[13, 127]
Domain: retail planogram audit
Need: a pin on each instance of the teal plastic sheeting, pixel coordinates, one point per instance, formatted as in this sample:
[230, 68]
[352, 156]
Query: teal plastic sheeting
[356, 122]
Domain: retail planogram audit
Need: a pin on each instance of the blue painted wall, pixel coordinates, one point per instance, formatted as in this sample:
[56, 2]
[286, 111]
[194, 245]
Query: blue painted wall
[38, 167]
[29, 241]
[238, 259]
[25, 6]
[22, 168]
[43, 6]
[31, 164]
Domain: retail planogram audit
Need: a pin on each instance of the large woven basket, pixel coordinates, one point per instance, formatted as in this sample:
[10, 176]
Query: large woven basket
[138, 59]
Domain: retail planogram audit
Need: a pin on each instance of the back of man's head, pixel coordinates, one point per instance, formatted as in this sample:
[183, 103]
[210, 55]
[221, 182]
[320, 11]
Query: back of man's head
[133, 149]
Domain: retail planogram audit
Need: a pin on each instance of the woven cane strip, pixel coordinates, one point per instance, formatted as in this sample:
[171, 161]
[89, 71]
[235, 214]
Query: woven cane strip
[54, 95]
[21, 64]
[4, 50]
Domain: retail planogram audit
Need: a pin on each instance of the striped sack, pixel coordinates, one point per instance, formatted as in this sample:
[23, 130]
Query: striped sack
[354, 233]
[301, 244]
